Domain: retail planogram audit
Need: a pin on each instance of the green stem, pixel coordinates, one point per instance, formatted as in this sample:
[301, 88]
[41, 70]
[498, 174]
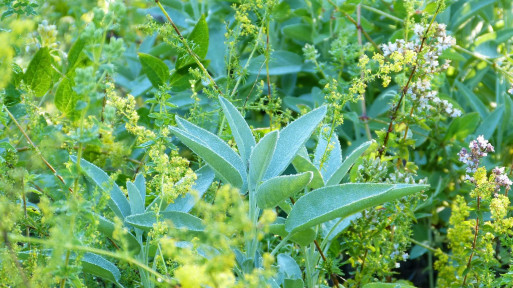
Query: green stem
[382, 13]
[19, 238]
[189, 50]
[281, 244]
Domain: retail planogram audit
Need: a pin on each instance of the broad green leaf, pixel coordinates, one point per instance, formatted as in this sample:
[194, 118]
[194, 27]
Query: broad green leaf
[468, 10]
[302, 238]
[289, 267]
[75, 52]
[140, 183]
[339, 174]
[473, 99]
[225, 162]
[302, 164]
[214, 143]
[134, 197]
[205, 176]
[279, 188]
[65, 97]
[240, 129]
[293, 283]
[97, 265]
[180, 220]
[298, 31]
[198, 41]
[387, 285]
[117, 202]
[107, 228]
[292, 138]
[329, 150]
[261, 158]
[331, 202]
[462, 126]
[490, 123]
[39, 72]
[156, 70]
[281, 62]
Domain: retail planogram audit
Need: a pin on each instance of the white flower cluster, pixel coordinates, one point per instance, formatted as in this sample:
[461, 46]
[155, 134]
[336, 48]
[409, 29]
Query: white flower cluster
[501, 179]
[479, 148]
[510, 91]
[420, 91]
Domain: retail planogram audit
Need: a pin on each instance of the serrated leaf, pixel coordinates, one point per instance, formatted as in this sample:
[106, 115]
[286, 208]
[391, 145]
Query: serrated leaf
[261, 158]
[329, 148]
[180, 220]
[39, 72]
[117, 202]
[75, 52]
[65, 97]
[134, 197]
[292, 138]
[279, 188]
[339, 174]
[205, 176]
[107, 228]
[198, 41]
[302, 238]
[302, 164]
[156, 70]
[240, 129]
[225, 162]
[331, 202]
[97, 265]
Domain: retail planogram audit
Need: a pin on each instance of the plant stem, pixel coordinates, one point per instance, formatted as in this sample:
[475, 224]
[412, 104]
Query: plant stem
[37, 149]
[476, 229]
[364, 108]
[377, 11]
[189, 50]
[381, 150]
[19, 238]
[281, 244]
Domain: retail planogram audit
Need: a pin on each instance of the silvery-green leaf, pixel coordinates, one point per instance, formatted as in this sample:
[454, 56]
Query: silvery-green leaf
[205, 176]
[180, 220]
[292, 138]
[331, 202]
[134, 197]
[339, 174]
[303, 164]
[331, 149]
[261, 158]
[277, 189]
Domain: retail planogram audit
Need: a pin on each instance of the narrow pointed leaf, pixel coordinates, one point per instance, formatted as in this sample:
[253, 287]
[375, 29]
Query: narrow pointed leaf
[331, 202]
[329, 150]
[292, 138]
[339, 174]
[134, 197]
[240, 129]
[198, 41]
[205, 176]
[225, 162]
[303, 164]
[261, 158]
[117, 202]
[154, 68]
[279, 188]
[140, 183]
[180, 220]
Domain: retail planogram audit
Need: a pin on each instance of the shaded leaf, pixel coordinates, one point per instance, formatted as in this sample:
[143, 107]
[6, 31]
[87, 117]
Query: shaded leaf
[180, 220]
[156, 70]
[40, 72]
[198, 41]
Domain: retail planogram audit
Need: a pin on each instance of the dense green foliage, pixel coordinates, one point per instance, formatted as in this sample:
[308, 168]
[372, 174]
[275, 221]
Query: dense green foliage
[280, 143]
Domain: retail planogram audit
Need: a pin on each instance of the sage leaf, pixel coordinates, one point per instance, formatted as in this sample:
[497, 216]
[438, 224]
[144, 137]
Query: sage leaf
[279, 188]
[240, 129]
[292, 138]
[205, 176]
[134, 197]
[339, 174]
[261, 158]
[302, 164]
[117, 202]
[145, 221]
[331, 202]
